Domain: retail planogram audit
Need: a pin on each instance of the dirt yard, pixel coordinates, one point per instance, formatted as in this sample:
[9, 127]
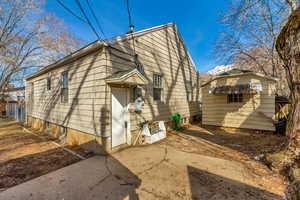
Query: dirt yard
[242, 148]
[195, 163]
[24, 156]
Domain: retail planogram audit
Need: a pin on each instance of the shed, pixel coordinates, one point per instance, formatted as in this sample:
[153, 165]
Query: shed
[240, 99]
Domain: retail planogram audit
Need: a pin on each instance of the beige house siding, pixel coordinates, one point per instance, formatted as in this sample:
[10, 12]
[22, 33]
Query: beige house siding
[253, 113]
[86, 94]
[89, 106]
[160, 52]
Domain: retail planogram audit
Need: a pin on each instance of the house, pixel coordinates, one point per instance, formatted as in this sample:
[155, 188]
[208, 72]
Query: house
[240, 99]
[13, 104]
[91, 96]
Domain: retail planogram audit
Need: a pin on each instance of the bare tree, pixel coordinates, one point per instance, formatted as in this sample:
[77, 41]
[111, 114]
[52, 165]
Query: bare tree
[288, 47]
[249, 36]
[58, 40]
[28, 35]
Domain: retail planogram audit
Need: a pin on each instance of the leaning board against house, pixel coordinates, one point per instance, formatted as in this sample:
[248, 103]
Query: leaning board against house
[245, 100]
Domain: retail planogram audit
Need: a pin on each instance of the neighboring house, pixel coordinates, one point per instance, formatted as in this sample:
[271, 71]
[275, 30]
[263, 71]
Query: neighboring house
[89, 95]
[13, 105]
[240, 99]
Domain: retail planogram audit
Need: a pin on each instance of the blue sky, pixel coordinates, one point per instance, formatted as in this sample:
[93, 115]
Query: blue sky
[197, 21]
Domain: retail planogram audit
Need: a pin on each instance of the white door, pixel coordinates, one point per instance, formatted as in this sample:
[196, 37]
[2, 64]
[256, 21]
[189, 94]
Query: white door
[119, 116]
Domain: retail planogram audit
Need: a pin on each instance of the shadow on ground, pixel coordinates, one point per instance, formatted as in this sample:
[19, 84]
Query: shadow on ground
[26, 157]
[251, 144]
[205, 185]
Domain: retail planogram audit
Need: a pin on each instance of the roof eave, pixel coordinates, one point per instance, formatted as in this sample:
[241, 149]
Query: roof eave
[244, 74]
[80, 52]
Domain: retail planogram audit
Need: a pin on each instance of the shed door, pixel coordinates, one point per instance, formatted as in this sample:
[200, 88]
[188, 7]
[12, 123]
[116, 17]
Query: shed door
[119, 116]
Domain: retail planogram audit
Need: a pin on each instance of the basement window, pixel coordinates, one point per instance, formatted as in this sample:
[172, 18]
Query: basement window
[47, 124]
[234, 98]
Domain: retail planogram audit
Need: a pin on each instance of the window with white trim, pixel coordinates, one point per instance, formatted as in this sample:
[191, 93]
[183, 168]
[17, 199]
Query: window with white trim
[157, 86]
[64, 87]
[189, 89]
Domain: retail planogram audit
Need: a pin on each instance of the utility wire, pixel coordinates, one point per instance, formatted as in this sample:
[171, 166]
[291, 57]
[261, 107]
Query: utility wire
[131, 28]
[71, 12]
[87, 19]
[129, 13]
[95, 17]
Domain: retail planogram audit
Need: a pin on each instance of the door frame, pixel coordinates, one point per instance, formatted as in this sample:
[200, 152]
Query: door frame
[128, 128]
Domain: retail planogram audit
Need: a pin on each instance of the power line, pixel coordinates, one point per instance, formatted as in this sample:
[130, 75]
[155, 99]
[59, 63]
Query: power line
[131, 26]
[71, 12]
[129, 13]
[95, 17]
[87, 19]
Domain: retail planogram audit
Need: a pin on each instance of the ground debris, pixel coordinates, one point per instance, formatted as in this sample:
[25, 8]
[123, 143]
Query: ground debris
[25, 156]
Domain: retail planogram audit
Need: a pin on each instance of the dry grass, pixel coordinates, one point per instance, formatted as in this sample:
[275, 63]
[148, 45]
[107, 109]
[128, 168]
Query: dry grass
[24, 156]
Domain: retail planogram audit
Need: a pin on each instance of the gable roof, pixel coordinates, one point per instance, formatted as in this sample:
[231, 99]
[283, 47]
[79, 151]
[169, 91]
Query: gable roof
[98, 44]
[14, 89]
[235, 73]
[130, 77]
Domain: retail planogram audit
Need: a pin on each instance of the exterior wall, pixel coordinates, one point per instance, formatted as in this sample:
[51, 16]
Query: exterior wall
[73, 137]
[89, 108]
[160, 51]
[87, 97]
[16, 95]
[253, 113]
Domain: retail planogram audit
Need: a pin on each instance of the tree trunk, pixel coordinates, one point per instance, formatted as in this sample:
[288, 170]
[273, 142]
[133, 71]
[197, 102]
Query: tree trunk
[288, 48]
[293, 125]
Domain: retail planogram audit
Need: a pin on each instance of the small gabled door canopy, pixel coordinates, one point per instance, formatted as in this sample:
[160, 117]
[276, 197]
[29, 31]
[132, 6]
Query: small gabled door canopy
[129, 77]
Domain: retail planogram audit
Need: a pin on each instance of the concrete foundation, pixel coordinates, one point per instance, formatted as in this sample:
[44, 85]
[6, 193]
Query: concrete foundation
[90, 142]
[96, 144]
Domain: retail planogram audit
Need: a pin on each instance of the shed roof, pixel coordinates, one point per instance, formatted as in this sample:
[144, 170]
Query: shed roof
[237, 72]
[100, 43]
[234, 89]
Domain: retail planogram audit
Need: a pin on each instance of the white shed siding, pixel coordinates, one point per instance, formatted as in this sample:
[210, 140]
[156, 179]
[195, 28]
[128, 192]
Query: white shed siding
[251, 113]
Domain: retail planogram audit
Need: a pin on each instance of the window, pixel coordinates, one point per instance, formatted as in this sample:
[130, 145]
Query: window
[32, 91]
[189, 89]
[235, 98]
[64, 87]
[137, 92]
[157, 87]
[19, 98]
[140, 68]
[48, 83]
